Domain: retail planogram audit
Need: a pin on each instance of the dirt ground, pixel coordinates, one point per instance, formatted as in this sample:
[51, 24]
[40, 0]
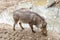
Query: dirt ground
[7, 33]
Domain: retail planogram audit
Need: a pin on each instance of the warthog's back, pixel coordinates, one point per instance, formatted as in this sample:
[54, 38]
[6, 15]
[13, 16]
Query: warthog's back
[26, 15]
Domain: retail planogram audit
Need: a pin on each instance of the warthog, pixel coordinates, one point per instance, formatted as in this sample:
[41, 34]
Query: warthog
[26, 16]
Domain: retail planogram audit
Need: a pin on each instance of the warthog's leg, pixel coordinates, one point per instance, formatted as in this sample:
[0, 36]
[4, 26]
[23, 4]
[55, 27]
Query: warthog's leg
[15, 22]
[21, 25]
[44, 29]
[31, 25]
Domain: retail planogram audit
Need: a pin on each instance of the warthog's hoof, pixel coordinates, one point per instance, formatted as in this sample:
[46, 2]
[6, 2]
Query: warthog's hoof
[33, 31]
[13, 29]
[44, 34]
[22, 28]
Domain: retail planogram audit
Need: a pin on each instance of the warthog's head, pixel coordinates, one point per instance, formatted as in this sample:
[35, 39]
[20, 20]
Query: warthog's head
[43, 28]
